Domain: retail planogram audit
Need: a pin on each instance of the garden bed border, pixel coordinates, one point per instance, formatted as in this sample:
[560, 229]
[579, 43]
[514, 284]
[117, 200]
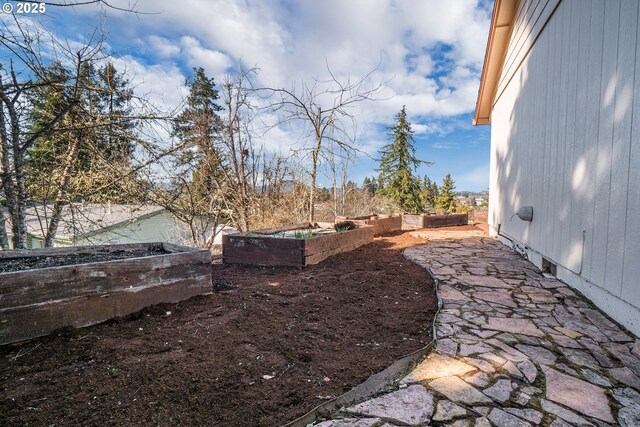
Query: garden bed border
[258, 248]
[39, 301]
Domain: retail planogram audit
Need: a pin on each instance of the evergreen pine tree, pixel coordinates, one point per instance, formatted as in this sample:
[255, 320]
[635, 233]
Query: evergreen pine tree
[99, 121]
[397, 165]
[446, 199]
[114, 95]
[199, 127]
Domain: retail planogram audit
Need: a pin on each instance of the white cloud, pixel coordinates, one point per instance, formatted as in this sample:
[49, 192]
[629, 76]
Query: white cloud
[163, 85]
[293, 41]
[214, 62]
[162, 46]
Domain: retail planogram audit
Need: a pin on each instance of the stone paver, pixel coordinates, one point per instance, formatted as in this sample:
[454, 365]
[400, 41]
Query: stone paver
[515, 348]
[436, 366]
[585, 398]
[410, 406]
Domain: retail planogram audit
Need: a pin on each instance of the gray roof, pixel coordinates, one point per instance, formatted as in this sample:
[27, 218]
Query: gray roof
[80, 219]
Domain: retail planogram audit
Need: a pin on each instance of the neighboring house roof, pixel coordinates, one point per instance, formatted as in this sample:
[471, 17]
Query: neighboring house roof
[501, 23]
[85, 219]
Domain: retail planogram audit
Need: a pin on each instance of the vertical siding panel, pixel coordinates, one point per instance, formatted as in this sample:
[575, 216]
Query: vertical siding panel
[537, 156]
[605, 137]
[555, 129]
[522, 30]
[592, 130]
[568, 243]
[620, 146]
[631, 268]
[577, 180]
[548, 141]
[560, 106]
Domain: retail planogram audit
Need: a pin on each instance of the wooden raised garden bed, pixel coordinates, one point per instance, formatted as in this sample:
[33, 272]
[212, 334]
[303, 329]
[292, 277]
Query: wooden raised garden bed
[296, 245]
[42, 290]
[417, 221]
[382, 224]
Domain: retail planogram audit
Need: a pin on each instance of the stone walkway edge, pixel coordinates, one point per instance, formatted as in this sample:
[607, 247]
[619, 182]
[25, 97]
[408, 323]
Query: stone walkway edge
[514, 348]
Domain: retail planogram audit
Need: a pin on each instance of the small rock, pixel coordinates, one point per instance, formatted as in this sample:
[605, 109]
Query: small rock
[353, 422]
[484, 410]
[447, 410]
[483, 365]
[468, 350]
[559, 423]
[514, 325]
[629, 416]
[412, 405]
[529, 370]
[500, 391]
[436, 366]
[527, 414]
[457, 390]
[563, 413]
[579, 357]
[482, 422]
[568, 332]
[479, 380]
[594, 378]
[627, 396]
[539, 355]
[522, 399]
[626, 376]
[447, 347]
[504, 419]
[579, 395]
[510, 367]
[496, 360]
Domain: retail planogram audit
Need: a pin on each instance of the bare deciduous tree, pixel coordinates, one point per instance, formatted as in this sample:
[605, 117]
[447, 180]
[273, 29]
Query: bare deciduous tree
[325, 109]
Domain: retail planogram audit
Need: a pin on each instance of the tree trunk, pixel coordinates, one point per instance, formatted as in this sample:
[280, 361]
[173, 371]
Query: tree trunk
[52, 229]
[5, 177]
[314, 173]
[13, 191]
[4, 240]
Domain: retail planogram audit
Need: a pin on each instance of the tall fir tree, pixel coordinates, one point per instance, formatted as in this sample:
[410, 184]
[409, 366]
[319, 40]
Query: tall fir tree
[114, 95]
[99, 123]
[199, 126]
[397, 165]
[447, 198]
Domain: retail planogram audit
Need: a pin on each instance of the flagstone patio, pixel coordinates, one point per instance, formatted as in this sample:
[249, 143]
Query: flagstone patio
[515, 348]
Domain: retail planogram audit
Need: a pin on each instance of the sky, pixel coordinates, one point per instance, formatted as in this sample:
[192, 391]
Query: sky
[427, 54]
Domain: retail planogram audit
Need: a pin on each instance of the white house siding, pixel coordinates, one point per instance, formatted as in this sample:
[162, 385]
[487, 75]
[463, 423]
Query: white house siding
[566, 140]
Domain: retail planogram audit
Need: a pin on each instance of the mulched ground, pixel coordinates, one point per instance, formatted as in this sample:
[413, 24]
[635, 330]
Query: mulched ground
[268, 346]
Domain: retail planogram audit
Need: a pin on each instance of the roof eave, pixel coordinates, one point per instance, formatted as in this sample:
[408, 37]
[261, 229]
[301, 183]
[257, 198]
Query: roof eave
[501, 25]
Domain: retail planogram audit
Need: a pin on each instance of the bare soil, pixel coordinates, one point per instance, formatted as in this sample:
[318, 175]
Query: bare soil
[267, 346]
[34, 262]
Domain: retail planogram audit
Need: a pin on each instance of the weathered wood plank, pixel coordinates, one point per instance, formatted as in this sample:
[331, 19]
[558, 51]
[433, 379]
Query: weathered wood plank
[265, 242]
[33, 321]
[36, 302]
[57, 283]
[274, 230]
[433, 221]
[79, 250]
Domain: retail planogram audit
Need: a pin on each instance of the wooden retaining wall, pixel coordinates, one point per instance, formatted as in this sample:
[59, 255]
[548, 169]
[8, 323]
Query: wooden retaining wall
[36, 302]
[265, 250]
[413, 221]
[382, 224]
[418, 221]
[450, 220]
